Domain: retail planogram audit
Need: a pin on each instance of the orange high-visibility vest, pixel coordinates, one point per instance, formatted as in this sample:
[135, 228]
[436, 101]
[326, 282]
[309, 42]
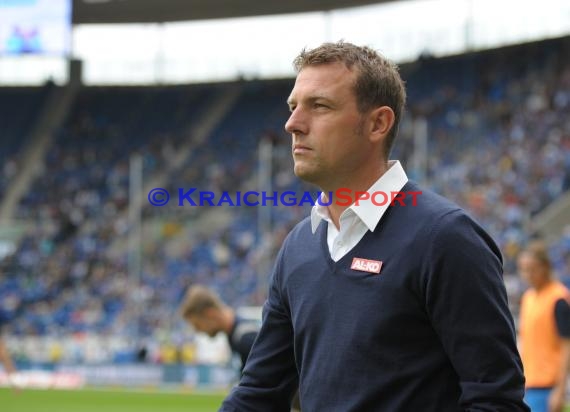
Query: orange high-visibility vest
[541, 348]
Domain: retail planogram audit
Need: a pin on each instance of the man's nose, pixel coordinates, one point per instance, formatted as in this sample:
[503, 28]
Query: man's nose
[297, 123]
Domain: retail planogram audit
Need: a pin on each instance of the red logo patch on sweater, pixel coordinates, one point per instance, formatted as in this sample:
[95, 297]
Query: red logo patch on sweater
[366, 265]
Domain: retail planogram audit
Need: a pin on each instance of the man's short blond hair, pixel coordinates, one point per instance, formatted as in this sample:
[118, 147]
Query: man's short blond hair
[197, 300]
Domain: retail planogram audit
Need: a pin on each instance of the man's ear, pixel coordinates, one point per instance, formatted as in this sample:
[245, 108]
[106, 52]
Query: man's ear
[381, 122]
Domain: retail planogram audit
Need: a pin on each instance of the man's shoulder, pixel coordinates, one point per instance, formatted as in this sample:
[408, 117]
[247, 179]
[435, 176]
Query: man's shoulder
[300, 230]
[427, 200]
[441, 220]
[560, 291]
[428, 209]
[244, 327]
[562, 288]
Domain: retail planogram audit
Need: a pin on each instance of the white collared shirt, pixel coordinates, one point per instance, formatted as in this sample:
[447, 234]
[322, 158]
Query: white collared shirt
[356, 220]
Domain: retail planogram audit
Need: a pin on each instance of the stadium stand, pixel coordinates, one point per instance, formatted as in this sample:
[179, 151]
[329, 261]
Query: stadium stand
[18, 108]
[499, 145]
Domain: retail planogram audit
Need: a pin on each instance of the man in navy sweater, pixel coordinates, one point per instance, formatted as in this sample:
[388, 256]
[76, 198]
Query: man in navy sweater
[376, 305]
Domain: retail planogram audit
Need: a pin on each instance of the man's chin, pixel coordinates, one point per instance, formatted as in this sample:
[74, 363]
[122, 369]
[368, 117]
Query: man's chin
[304, 174]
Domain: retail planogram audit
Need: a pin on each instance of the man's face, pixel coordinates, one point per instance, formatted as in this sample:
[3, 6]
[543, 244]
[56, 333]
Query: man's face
[531, 270]
[328, 143]
[206, 322]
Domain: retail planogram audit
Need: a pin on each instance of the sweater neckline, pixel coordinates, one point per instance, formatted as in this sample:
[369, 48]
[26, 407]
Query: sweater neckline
[322, 233]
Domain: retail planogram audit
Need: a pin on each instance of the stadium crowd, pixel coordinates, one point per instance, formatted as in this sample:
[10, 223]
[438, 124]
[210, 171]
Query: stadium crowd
[499, 145]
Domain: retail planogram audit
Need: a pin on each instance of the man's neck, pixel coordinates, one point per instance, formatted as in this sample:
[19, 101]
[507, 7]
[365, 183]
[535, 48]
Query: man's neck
[228, 320]
[543, 285]
[357, 185]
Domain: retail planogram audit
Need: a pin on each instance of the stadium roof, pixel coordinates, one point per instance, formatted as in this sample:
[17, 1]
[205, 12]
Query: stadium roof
[154, 11]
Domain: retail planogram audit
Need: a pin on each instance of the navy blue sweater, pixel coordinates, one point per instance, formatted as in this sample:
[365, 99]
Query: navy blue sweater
[431, 332]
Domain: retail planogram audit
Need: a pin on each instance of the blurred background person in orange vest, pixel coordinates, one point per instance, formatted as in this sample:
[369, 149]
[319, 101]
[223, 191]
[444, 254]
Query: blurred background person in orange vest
[544, 331]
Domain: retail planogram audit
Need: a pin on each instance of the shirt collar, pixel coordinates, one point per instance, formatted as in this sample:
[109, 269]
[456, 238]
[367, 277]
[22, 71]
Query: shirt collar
[370, 214]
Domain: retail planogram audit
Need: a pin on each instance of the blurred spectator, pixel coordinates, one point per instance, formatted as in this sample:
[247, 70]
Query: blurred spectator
[204, 310]
[544, 332]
